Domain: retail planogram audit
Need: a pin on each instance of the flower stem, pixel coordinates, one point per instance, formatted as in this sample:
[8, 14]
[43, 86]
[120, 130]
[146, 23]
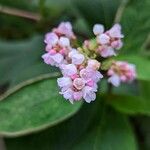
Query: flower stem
[20, 13]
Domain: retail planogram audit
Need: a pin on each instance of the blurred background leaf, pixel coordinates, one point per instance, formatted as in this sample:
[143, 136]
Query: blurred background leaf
[21, 60]
[16, 27]
[136, 25]
[98, 11]
[132, 105]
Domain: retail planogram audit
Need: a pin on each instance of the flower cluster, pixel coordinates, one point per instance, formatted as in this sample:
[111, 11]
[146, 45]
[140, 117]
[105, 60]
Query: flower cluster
[58, 44]
[79, 78]
[80, 66]
[109, 41]
[121, 72]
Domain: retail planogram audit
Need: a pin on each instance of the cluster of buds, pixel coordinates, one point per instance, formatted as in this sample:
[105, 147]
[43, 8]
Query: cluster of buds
[109, 41]
[80, 66]
[121, 72]
[58, 44]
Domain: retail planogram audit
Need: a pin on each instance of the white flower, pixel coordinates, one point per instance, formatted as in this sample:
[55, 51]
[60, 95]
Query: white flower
[73, 52]
[54, 60]
[114, 80]
[98, 29]
[89, 94]
[64, 42]
[107, 51]
[69, 69]
[51, 39]
[77, 59]
[47, 58]
[68, 94]
[57, 58]
[64, 82]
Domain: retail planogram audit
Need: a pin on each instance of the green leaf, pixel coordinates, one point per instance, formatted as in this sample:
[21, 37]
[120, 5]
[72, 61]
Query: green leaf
[98, 11]
[114, 128]
[34, 107]
[135, 25]
[87, 130]
[144, 87]
[61, 136]
[130, 104]
[21, 60]
[142, 65]
[143, 124]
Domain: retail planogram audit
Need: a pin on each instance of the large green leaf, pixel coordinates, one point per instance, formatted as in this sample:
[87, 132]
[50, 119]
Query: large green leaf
[142, 65]
[136, 25]
[98, 11]
[130, 104]
[21, 60]
[34, 107]
[90, 129]
[112, 132]
[61, 136]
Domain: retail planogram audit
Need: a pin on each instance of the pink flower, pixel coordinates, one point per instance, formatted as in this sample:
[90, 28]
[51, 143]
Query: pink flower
[64, 82]
[109, 41]
[65, 28]
[77, 95]
[79, 67]
[51, 39]
[117, 44]
[103, 39]
[93, 64]
[76, 83]
[121, 72]
[88, 73]
[106, 51]
[76, 57]
[57, 48]
[89, 94]
[69, 69]
[98, 29]
[53, 60]
[68, 94]
[115, 31]
[47, 58]
[115, 80]
[79, 83]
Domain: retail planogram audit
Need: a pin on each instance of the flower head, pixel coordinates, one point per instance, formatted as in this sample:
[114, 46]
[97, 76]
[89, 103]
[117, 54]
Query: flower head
[80, 81]
[121, 72]
[109, 41]
[81, 66]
